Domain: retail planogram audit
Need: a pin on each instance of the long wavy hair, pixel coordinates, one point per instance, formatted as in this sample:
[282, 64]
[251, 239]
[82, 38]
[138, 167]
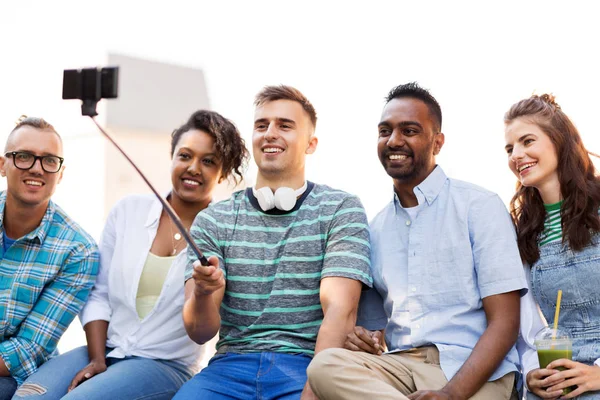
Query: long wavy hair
[579, 184]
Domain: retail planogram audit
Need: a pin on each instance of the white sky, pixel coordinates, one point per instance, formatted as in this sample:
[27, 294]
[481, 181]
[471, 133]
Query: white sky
[476, 57]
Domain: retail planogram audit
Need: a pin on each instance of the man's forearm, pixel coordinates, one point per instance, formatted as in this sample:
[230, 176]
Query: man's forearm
[337, 324]
[487, 355]
[201, 318]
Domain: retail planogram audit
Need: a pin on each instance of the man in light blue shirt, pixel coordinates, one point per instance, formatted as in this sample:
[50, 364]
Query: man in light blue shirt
[447, 279]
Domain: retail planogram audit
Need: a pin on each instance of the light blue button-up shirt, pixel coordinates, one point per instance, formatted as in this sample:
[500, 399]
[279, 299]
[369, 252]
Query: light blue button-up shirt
[432, 266]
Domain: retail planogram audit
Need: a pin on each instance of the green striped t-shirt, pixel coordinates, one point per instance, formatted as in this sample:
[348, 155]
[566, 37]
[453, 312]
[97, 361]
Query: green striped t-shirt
[552, 227]
[274, 263]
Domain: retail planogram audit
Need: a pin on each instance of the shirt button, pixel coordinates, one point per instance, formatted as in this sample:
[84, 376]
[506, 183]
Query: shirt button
[429, 199]
[417, 326]
[407, 222]
[414, 289]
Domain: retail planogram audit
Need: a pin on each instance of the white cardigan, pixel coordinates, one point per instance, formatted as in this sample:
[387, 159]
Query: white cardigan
[126, 240]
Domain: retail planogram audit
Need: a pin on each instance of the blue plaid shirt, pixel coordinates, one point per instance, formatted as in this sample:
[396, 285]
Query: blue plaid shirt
[45, 278]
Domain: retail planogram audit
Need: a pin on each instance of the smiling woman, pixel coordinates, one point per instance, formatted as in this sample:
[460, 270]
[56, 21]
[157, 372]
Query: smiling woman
[555, 211]
[137, 344]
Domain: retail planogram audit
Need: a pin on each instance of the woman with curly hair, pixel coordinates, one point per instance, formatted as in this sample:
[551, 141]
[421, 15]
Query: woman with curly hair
[555, 210]
[137, 343]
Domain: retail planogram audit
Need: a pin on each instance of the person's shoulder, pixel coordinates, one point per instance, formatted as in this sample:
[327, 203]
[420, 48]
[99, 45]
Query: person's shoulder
[469, 191]
[70, 230]
[223, 211]
[235, 201]
[475, 200]
[327, 193]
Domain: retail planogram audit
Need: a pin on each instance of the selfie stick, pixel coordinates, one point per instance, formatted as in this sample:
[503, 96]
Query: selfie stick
[90, 85]
[166, 206]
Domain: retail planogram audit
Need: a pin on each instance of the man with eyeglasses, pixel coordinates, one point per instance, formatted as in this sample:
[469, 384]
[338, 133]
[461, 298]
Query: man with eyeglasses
[48, 264]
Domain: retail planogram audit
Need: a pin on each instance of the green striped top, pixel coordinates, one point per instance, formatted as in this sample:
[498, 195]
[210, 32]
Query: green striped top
[274, 262]
[552, 227]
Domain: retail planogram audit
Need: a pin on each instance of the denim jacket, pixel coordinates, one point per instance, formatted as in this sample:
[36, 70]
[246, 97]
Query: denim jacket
[577, 274]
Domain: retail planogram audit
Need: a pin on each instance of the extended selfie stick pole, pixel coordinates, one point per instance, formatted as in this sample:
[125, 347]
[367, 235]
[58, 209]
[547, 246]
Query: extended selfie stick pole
[167, 207]
[90, 85]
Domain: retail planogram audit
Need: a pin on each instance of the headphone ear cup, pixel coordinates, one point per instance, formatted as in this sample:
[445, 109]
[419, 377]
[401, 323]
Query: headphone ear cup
[285, 198]
[265, 198]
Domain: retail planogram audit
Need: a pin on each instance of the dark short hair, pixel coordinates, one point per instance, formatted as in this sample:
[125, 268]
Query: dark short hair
[231, 148]
[413, 90]
[283, 92]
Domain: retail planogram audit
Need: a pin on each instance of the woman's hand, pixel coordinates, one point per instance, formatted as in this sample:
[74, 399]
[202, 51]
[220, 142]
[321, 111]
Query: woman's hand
[95, 367]
[536, 383]
[585, 377]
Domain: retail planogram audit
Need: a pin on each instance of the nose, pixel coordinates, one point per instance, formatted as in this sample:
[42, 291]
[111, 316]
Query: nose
[36, 168]
[516, 154]
[271, 133]
[195, 167]
[396, 139]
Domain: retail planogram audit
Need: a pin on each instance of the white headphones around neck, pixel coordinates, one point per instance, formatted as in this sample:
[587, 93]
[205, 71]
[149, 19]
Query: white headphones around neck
[284, 198]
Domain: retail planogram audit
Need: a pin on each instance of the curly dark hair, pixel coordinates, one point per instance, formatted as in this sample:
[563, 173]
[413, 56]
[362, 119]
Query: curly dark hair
[579, 184]
[230, 146]
[414, 91]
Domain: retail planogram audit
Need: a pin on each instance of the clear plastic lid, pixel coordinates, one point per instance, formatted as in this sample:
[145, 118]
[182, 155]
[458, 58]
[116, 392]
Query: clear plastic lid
[549, 333]
[551, 338]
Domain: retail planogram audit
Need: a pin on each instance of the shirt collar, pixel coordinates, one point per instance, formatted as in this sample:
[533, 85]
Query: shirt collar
[428, 190]
[155, 210]
[431, 187]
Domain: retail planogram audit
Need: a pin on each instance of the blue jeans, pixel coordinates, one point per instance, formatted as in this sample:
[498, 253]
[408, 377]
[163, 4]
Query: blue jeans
[259, 376]
[8, 385]
[126, 378]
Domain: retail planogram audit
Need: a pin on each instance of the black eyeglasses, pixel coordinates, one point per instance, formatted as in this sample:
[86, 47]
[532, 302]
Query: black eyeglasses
[25, 161]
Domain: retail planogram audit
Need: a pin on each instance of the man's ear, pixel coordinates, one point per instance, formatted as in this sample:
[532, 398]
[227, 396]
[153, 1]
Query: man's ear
[312, 144]
[438, 143]
[2, 164]
[60, 174]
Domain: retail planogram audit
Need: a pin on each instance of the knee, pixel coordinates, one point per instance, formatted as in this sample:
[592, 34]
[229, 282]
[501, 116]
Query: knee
[30, 390]
[326, 365]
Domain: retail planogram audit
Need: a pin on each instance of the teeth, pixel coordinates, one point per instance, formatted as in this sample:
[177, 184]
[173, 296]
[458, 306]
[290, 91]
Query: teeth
[33, 183]
[190, 182]
[398, 157]
[272, 150]
[524, 166]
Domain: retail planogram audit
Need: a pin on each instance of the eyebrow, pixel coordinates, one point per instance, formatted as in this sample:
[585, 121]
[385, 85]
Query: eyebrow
[192, 151]
[32, 152]
[402, 124]
[278, 119]
[522, 138]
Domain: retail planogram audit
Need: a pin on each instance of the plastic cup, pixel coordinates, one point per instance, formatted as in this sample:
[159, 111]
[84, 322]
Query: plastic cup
[553, 344]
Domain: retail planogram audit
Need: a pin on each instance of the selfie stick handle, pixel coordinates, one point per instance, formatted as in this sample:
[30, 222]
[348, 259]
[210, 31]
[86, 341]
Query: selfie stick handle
[166, 206]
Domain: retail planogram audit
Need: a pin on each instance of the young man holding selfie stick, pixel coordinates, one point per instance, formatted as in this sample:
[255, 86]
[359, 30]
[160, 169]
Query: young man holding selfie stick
[288, 259]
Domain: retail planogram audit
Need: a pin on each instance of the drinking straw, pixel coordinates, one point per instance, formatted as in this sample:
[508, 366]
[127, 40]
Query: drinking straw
[556, 312]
